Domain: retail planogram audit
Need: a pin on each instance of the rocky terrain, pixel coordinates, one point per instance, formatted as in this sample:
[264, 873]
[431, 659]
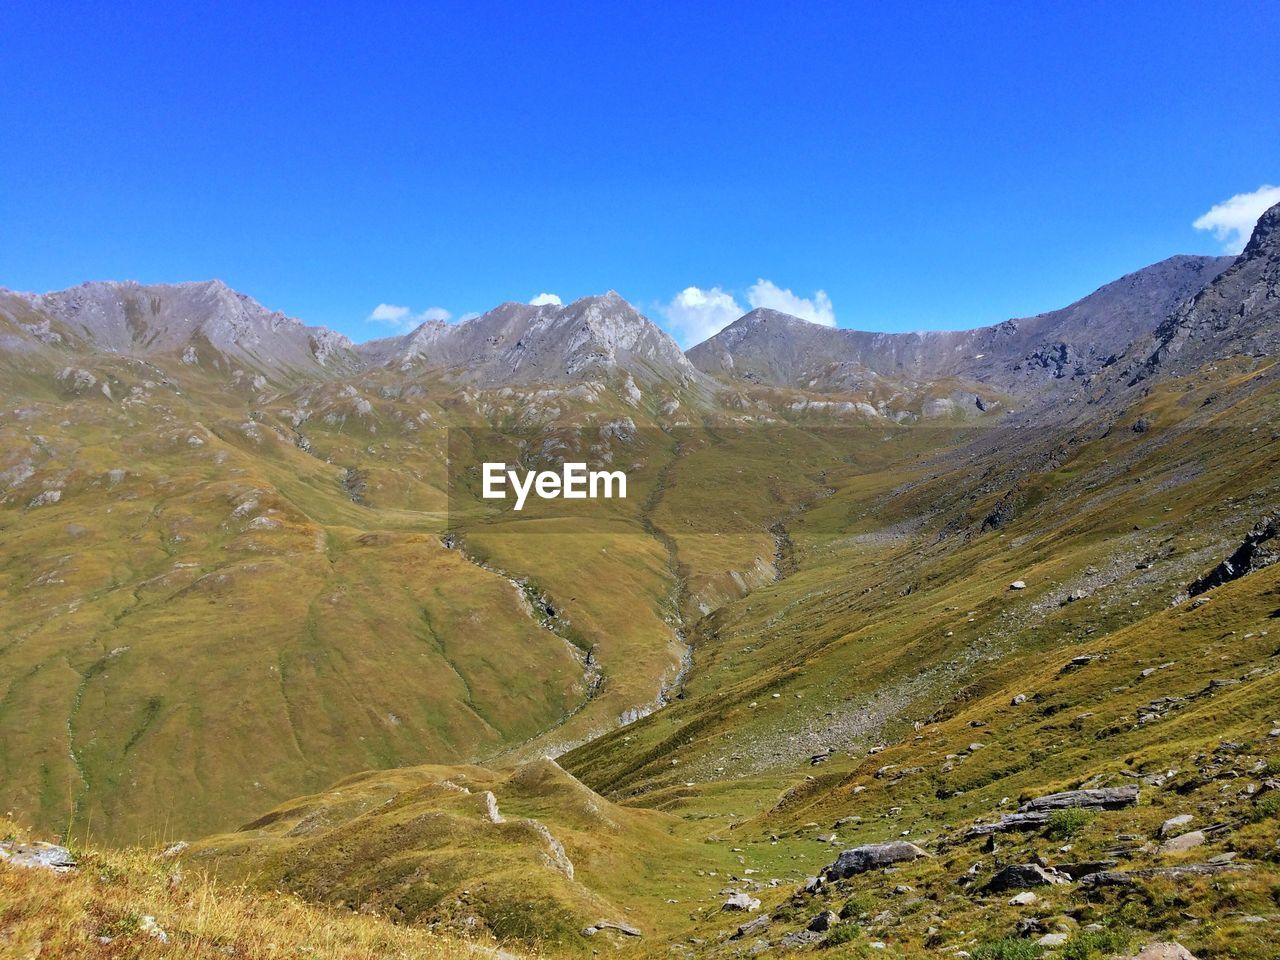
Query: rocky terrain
[954, 644]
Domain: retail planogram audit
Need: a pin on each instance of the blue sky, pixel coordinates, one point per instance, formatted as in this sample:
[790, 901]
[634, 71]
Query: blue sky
[923, 165]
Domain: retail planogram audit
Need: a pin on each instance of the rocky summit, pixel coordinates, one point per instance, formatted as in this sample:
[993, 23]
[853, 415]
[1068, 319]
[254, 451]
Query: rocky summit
[952, 644]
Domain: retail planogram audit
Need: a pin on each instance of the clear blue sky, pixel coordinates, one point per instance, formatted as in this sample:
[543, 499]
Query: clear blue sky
[927, 165]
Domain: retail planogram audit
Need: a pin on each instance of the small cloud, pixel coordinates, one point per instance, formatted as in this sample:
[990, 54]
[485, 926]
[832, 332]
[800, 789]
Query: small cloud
[389, 313]
[1232, 221]
[695, 314]
[767, 294]
[404, 319]
[544, 299]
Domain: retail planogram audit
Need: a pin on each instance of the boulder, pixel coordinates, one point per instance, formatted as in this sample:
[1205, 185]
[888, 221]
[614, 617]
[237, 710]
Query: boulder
[824, 922]
[1104, 798]
[741, 901]
[1019, 876]
[752, 927]
[38, 855]
[873, 856]
[1163, 951]
[1180, 844]
[625, 929]
[1125, 878]
[1011, 821]
[1173, 824]
[1077, 870]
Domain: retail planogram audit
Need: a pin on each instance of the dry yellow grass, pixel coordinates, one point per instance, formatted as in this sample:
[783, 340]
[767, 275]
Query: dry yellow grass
[100, 909]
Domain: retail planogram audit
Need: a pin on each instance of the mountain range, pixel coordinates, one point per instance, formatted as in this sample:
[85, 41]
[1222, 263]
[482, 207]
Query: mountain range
[929, 644]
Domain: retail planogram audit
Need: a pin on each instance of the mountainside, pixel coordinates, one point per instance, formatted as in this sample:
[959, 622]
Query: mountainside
[849, 669]
[595, 338]
[1235, 314]
[195, 322]
[770, 347]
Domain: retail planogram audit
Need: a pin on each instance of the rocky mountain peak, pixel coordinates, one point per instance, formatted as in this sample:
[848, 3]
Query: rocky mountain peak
[592, 338]
[1265, 240]
[1237, 314]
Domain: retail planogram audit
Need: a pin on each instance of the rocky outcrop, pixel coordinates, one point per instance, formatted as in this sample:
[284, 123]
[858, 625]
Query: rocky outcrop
[1105, 798]
[1019, 876]
[1259, 549]
[37, 856]
[1238, 313]
[873, 856]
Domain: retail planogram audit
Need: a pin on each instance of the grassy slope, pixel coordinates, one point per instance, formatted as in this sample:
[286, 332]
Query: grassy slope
[99, 911]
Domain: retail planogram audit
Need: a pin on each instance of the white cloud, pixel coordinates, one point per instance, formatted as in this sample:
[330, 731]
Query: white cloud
[543, 299]
[1232, 221]
[403, 318]
[695, 314]
[389, 313]
[766, 293]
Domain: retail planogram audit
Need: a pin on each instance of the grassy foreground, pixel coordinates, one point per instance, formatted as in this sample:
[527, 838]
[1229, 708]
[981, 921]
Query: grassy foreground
[102, 910]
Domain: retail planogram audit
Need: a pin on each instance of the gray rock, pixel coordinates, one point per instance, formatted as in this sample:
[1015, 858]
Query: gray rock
[800, 938]
[1125, 878]
[1077, 870]
[625, 929]
[1163, 951]
[752, 927]
[1173, 824]
[741, 901]
[872, 856]
[1011, 821]
[39, 856]
[1184, 842]
[824, 921]
[1019, 876]
[1105, 798]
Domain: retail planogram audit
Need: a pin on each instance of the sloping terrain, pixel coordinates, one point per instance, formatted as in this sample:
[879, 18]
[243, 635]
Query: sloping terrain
[834, 613]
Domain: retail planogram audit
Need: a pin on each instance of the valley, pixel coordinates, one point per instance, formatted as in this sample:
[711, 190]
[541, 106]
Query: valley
[866, 592]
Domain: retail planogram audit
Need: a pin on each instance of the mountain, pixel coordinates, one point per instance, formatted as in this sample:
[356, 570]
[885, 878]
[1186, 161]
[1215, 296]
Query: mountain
[825, 680]
[595, 338]
[1068, 344]
[204, 323]
[1237, 313]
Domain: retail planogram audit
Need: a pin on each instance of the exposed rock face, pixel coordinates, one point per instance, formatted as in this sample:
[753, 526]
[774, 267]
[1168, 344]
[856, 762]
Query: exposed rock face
[872, 857]
[1034, 814]
[1237, 313]
[1105, 798]
[595, 338]
[770, 347]
[1261, 548]
[199, 323]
